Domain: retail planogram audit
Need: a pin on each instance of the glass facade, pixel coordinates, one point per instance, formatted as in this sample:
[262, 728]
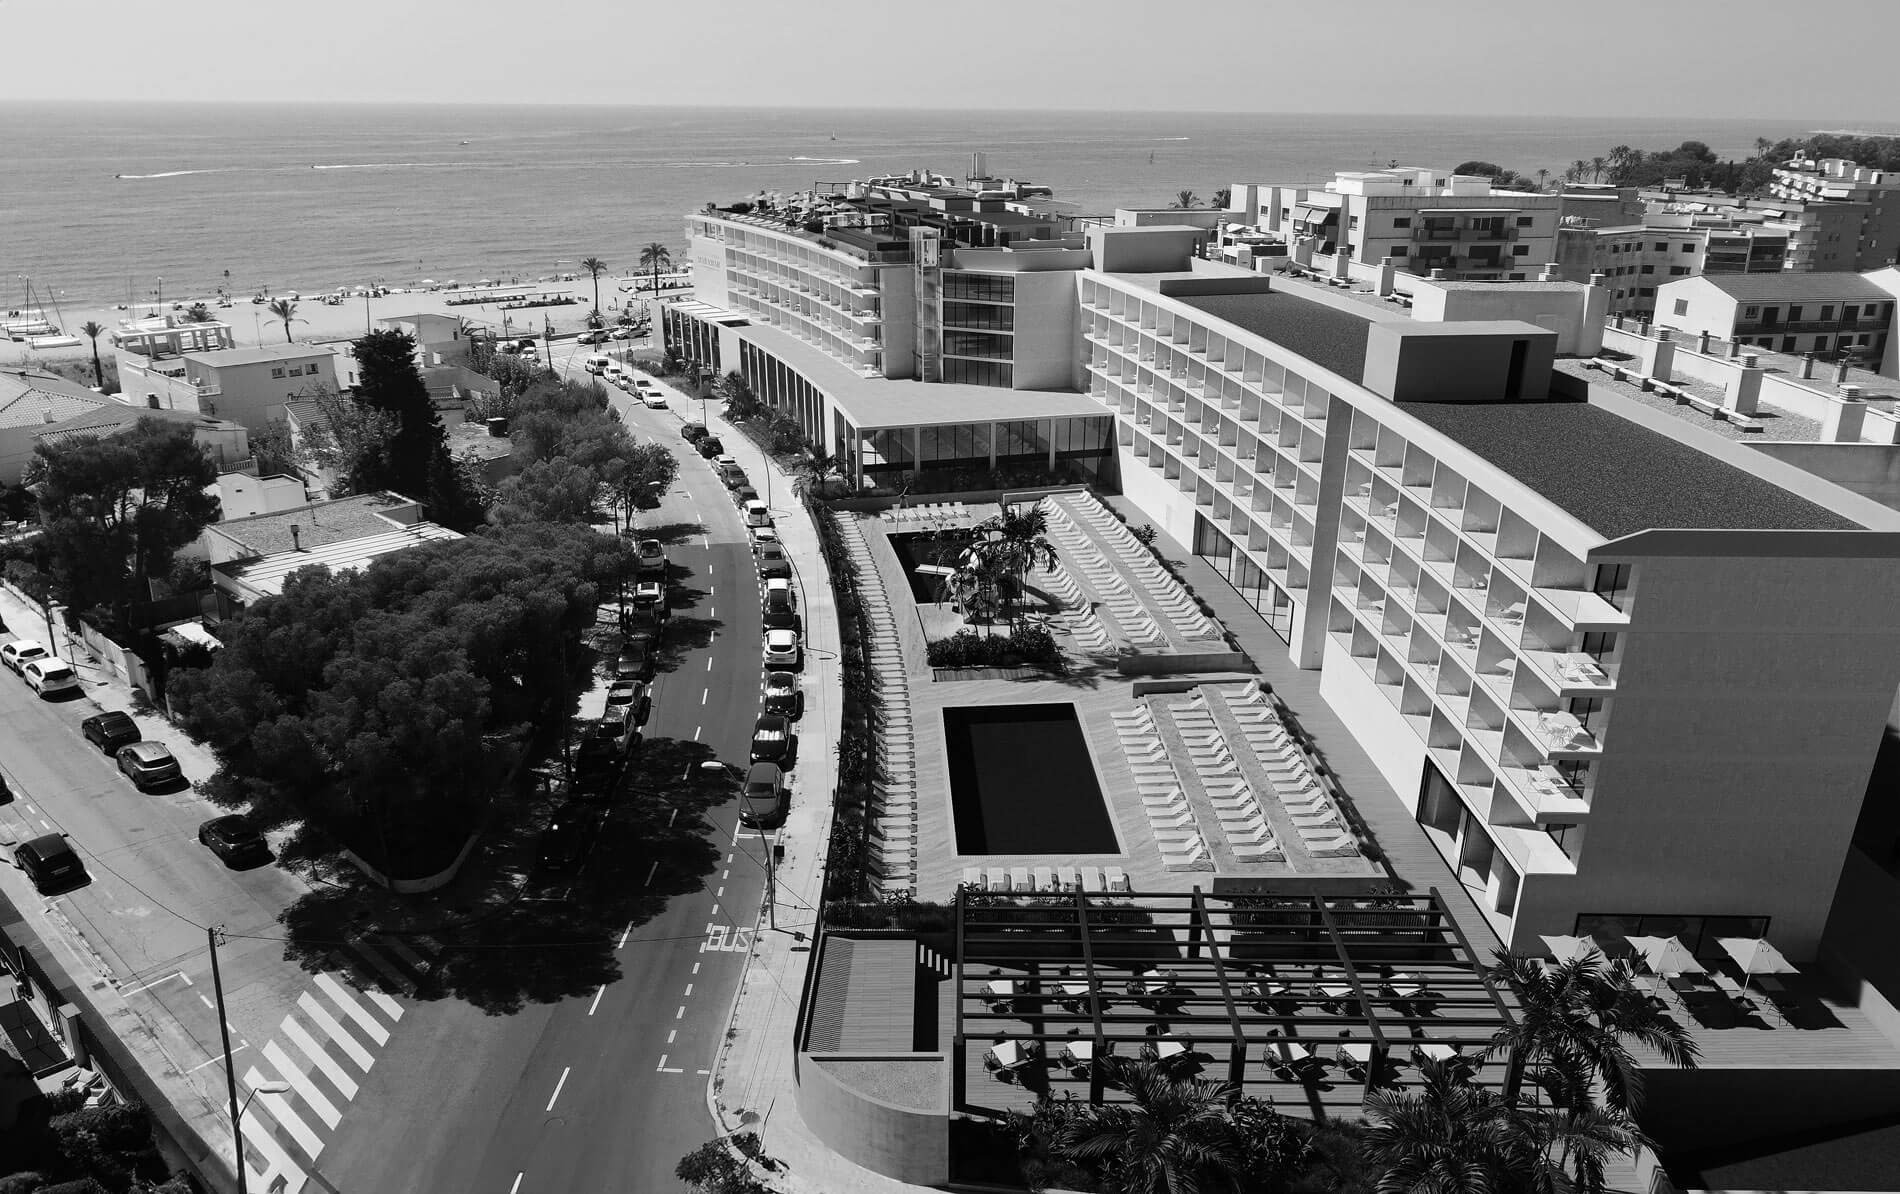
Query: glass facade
[986, 345]
[965, 371]
[993, 288]
[1460, 836]
[1701, 934]
[1269, 600]
[983, 316]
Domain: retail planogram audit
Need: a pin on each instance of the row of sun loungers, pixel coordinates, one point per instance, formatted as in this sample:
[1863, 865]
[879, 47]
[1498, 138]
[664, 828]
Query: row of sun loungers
[894, 828]
[1056, 880]
[1075, 616]
[1160, 585]
[928, 514]
[1235, 806]
[1323, 833]
[1176, 831]
[1130, 616]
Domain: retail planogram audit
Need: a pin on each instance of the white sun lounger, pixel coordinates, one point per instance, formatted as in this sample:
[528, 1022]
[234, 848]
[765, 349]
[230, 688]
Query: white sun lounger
[998, 880]
[1117, 881]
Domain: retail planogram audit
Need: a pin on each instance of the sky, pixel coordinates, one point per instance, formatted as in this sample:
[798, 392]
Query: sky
[1821, 59]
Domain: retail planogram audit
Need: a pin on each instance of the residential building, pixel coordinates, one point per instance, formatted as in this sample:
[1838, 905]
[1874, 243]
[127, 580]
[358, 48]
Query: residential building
[440, 339]
[1868, 199]
[1829, 314]
[30, 402]
[1423, 219]
[248, 385]
[245, 495]
[252, 557]
[227, 444]
[1635, 258]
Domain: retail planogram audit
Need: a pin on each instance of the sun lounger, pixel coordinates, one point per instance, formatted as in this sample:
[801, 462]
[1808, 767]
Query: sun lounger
[1019, 879]
[1267, 851]
[1181, 820]
[1092, 879]
[1066, 879]
[1339, 843]
[973, 877]
[1115, 878]
[998, 880]
[1045, 879]
[1315, 820]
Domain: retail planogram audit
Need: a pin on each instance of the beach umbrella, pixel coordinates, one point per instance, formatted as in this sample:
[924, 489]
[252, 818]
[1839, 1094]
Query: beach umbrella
[1756, 956]
[1570, 949]
[1666, 956]
[428, 282]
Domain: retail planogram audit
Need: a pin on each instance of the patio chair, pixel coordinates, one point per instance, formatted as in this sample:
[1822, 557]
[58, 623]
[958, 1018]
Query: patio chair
[1338, 844]
[1045, 879]
[1315, 820]
[1181, 820]
[1267, 851]
[998, 880]
[1067, 880]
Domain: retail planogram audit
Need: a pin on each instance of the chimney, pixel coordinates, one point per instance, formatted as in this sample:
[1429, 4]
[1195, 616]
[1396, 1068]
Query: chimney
[296, 538]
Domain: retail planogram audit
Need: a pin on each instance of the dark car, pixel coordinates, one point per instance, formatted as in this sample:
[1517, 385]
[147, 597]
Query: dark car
[780, 619]
[735, 477]
[772, 562]
[629, 694]
[710, 447]
[635, 662]
[771, 739]
[563, 845]
[235, 840]
[744, 494]
[762, 803]
[51, 863]
[782, 695]
[148, 764]
[692, 433]
[110, 731]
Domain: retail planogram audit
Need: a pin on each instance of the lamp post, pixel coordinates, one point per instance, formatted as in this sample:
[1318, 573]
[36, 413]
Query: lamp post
[158, 298]
[237, 1118]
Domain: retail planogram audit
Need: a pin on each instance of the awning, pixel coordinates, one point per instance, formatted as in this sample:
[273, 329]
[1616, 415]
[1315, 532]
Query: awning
[1312, 213]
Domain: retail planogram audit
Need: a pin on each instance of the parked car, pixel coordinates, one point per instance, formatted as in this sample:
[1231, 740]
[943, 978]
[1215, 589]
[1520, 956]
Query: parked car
[709, 446]
[762, 536]
[771, 739]
[692, 433]
[635, 661]
[652, 556]
[744, 493]
[51, 863]
[564, 843]
[654, 399]
[735, 478]
[758, 514]
[598, 363]
[235, 840]
[51, 677]
[650, 595]
[722, 462]
[782, 648]
[148, 763]
[628, 694]
[782, 695]
[111, 730]
[772, 561]
[762, 802]
[779, 595]
[22, 651]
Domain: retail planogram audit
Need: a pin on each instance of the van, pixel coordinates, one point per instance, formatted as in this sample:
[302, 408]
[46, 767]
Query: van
[758, 514]
[598, 363]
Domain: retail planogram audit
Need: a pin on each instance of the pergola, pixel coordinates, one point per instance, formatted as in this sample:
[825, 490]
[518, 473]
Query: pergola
[1313, 998]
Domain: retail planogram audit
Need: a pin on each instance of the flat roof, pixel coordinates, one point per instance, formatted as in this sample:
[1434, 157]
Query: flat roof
[258, 354]
[881, 402]
[1616, 476]
[317, 523]
[267, 575]
[1327, 336]
[1796, 286]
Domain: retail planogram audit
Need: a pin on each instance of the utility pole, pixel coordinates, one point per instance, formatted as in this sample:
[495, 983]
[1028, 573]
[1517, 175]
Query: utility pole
[230, 1075]
[771, 885]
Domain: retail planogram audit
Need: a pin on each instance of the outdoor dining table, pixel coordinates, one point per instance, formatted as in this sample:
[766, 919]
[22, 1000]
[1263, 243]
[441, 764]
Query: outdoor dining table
[1167, 1047]
[1358, 1052]
[1075, 990]
[1404, 986]
[1266, 990]
[1078, 1052]
[1334, 992]
[1002, 986]
[1289, 1053]
[1434, 1051]
[1009, 1054]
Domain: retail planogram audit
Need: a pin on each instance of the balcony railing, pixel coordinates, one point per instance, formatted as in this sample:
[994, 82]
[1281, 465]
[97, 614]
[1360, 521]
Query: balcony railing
[1472, 232]
[1811, 325]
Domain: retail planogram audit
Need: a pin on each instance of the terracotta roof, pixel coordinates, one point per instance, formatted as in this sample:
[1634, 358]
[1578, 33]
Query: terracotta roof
[27, 396]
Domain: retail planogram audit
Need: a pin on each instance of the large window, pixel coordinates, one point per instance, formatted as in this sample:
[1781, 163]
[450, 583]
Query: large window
[964, 445]
[983, 316]
[993, 288]
[1701, 934]
[1461, 839]
[967, 372]
[989, 346]
[1266, 597]
[1021, 442]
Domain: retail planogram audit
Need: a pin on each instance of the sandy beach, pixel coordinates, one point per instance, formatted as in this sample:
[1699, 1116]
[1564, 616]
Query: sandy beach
[316, 322]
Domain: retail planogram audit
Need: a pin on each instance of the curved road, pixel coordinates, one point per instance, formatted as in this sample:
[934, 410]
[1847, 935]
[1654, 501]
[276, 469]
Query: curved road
[605, 1091]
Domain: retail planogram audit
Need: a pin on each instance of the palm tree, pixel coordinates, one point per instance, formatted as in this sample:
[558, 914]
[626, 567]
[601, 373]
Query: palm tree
[1577, 170]
[1622, 157]
[818, 467]
[1185, 199]
[92, 329]
[286, 310]
[1579, 1141]
[1013, 543]
[1543, 179]
[1446, 1137]
[1596, 169]
[1219, 199]
[595, 267]
[656, 257]
[1172, 1136]
[1576, 1023]
[198, 313]
[1762, 146]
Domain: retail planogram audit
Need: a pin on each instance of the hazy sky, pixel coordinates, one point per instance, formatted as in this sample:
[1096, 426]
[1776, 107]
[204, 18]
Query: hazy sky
[1820, 59]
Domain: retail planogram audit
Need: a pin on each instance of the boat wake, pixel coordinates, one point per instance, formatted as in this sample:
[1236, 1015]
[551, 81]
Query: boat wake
[383, 166]
[165, 174]
[830, 161]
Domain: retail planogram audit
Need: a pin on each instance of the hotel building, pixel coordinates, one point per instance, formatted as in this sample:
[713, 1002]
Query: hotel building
[1855, 210]
[1627, 675]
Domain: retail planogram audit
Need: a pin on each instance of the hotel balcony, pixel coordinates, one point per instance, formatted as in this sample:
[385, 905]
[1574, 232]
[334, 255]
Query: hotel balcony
[1543, 795]
[1563, 736]
[1430, 232]
[1572, 673]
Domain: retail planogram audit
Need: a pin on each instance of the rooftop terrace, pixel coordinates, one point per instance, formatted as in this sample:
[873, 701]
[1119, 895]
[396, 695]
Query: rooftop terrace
[1327, 336]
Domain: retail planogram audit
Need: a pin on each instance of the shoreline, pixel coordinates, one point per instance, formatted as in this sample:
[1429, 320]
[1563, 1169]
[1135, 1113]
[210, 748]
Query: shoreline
[252, 324]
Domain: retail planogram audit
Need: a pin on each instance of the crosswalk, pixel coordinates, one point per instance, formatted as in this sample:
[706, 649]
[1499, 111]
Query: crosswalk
[309, 1071]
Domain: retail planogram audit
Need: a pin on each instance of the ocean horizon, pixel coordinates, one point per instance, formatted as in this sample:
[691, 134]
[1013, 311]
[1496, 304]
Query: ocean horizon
[116, 202]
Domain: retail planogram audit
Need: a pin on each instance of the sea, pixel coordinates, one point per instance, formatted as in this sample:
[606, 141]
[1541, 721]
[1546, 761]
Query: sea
[106, 203]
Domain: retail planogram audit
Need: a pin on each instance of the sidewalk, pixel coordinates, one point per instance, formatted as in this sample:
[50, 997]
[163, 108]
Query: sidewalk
[751, 1088]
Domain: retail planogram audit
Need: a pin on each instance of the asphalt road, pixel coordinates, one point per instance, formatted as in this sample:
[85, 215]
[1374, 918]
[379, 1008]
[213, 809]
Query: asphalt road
[607, 1091]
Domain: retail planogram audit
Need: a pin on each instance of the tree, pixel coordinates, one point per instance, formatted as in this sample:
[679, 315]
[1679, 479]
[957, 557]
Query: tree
[1010, 545]
[656, 257]
[273, 451]
[648, 470]
[286, 310]
[1185, 199]
[1446, 1137]
[819, 467]
[556, 490]
[1596, 169]
[116, 509]
[741, 402]
[1577, 170]
[416, 460]
[349, 441]
[595, 267]
[1576, 1022]
[198, 313]
[1220, 198]
[92, 329]
[712, 1169]
[1543, 178]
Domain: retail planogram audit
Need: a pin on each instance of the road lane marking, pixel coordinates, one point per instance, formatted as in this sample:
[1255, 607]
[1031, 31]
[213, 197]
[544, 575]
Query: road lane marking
[49, 824]
[712, 611]
[215, 1060]
[662, 1067]
[702, 1072]
[165, 979]
[628, 931]
[353, 1009]
[327, 1022]
[597, 994]
[704, 691]
[307, 1044]
[558, 1086]
[709, 664]
[673, 816]
[679, 1013]
[696, 730]
[669, 1036]
[312, 1094]
[695, 967]
[725, 874]
[715, 910]
[721, 893]
[276, 1159]
[649, 883]
[728, 857]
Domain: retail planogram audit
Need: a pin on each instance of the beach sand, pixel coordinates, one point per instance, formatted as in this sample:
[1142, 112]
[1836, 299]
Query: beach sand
[314, 322]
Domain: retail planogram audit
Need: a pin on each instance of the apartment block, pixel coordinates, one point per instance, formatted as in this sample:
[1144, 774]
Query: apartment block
[1424, 219]
[1636, 258]
[1859, 206]
[182, 368]
[1542, 616]
[1829, 314]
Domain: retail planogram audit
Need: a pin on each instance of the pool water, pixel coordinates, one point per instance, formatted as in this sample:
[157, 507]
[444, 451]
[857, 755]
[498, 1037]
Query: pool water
[925, 548]
[1022, 782]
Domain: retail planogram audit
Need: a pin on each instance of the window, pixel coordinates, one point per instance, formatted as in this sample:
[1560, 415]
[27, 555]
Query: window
[1678, 271]
[1849, 313]
[1662, 247]
[1520, 250]
[1747, 312]
[1646, 291]
[1525, 221]
[1649, 269]
[1827, 313]
[1352, 222]
[1794, 314]
[276, 372]
[1688, 248]
[1400, 222]
[1612, 582]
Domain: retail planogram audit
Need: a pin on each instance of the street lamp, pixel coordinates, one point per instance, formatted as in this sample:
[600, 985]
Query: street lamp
[237, 1118]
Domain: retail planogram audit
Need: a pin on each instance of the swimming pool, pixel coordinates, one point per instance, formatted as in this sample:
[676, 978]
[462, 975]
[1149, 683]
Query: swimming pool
[940, 548]
[1022, 782]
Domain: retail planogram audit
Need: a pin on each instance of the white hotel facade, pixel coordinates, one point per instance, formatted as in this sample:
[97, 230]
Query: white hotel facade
[1628, 676]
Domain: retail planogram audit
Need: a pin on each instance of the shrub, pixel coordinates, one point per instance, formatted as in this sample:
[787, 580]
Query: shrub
[966, 648]
[1146, 534]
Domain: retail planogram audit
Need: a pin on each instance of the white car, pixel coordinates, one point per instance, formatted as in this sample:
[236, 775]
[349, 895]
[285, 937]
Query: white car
[762, 536]
[653, 399]
[781, 648]
[722, 463]
[50, 677]
[22, 651]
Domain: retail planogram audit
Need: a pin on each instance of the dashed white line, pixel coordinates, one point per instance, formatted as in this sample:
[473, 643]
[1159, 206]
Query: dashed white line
[558, 1086]
[628, 931]
[704, 691]
[649, 883]
[726, 874]
[695, 967]
[49, 824]
[673, 816]
[729, 856]
[662, 1067]
[689, 990]
[721, 893]
[696, 730]
[670, 1035]
[592, 1007]
[679, 1013]
[712, 611]
[709, 664]
[715, 910]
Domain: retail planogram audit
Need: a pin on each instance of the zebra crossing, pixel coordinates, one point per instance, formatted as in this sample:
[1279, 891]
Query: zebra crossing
[304, 1077]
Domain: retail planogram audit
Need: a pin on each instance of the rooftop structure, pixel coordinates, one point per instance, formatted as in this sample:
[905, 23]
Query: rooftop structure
[157, 337]
[1829, 314]
[32, 402]
[252, 557]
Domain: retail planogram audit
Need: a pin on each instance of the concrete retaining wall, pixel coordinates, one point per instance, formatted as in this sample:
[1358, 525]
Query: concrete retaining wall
[909, 1144]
